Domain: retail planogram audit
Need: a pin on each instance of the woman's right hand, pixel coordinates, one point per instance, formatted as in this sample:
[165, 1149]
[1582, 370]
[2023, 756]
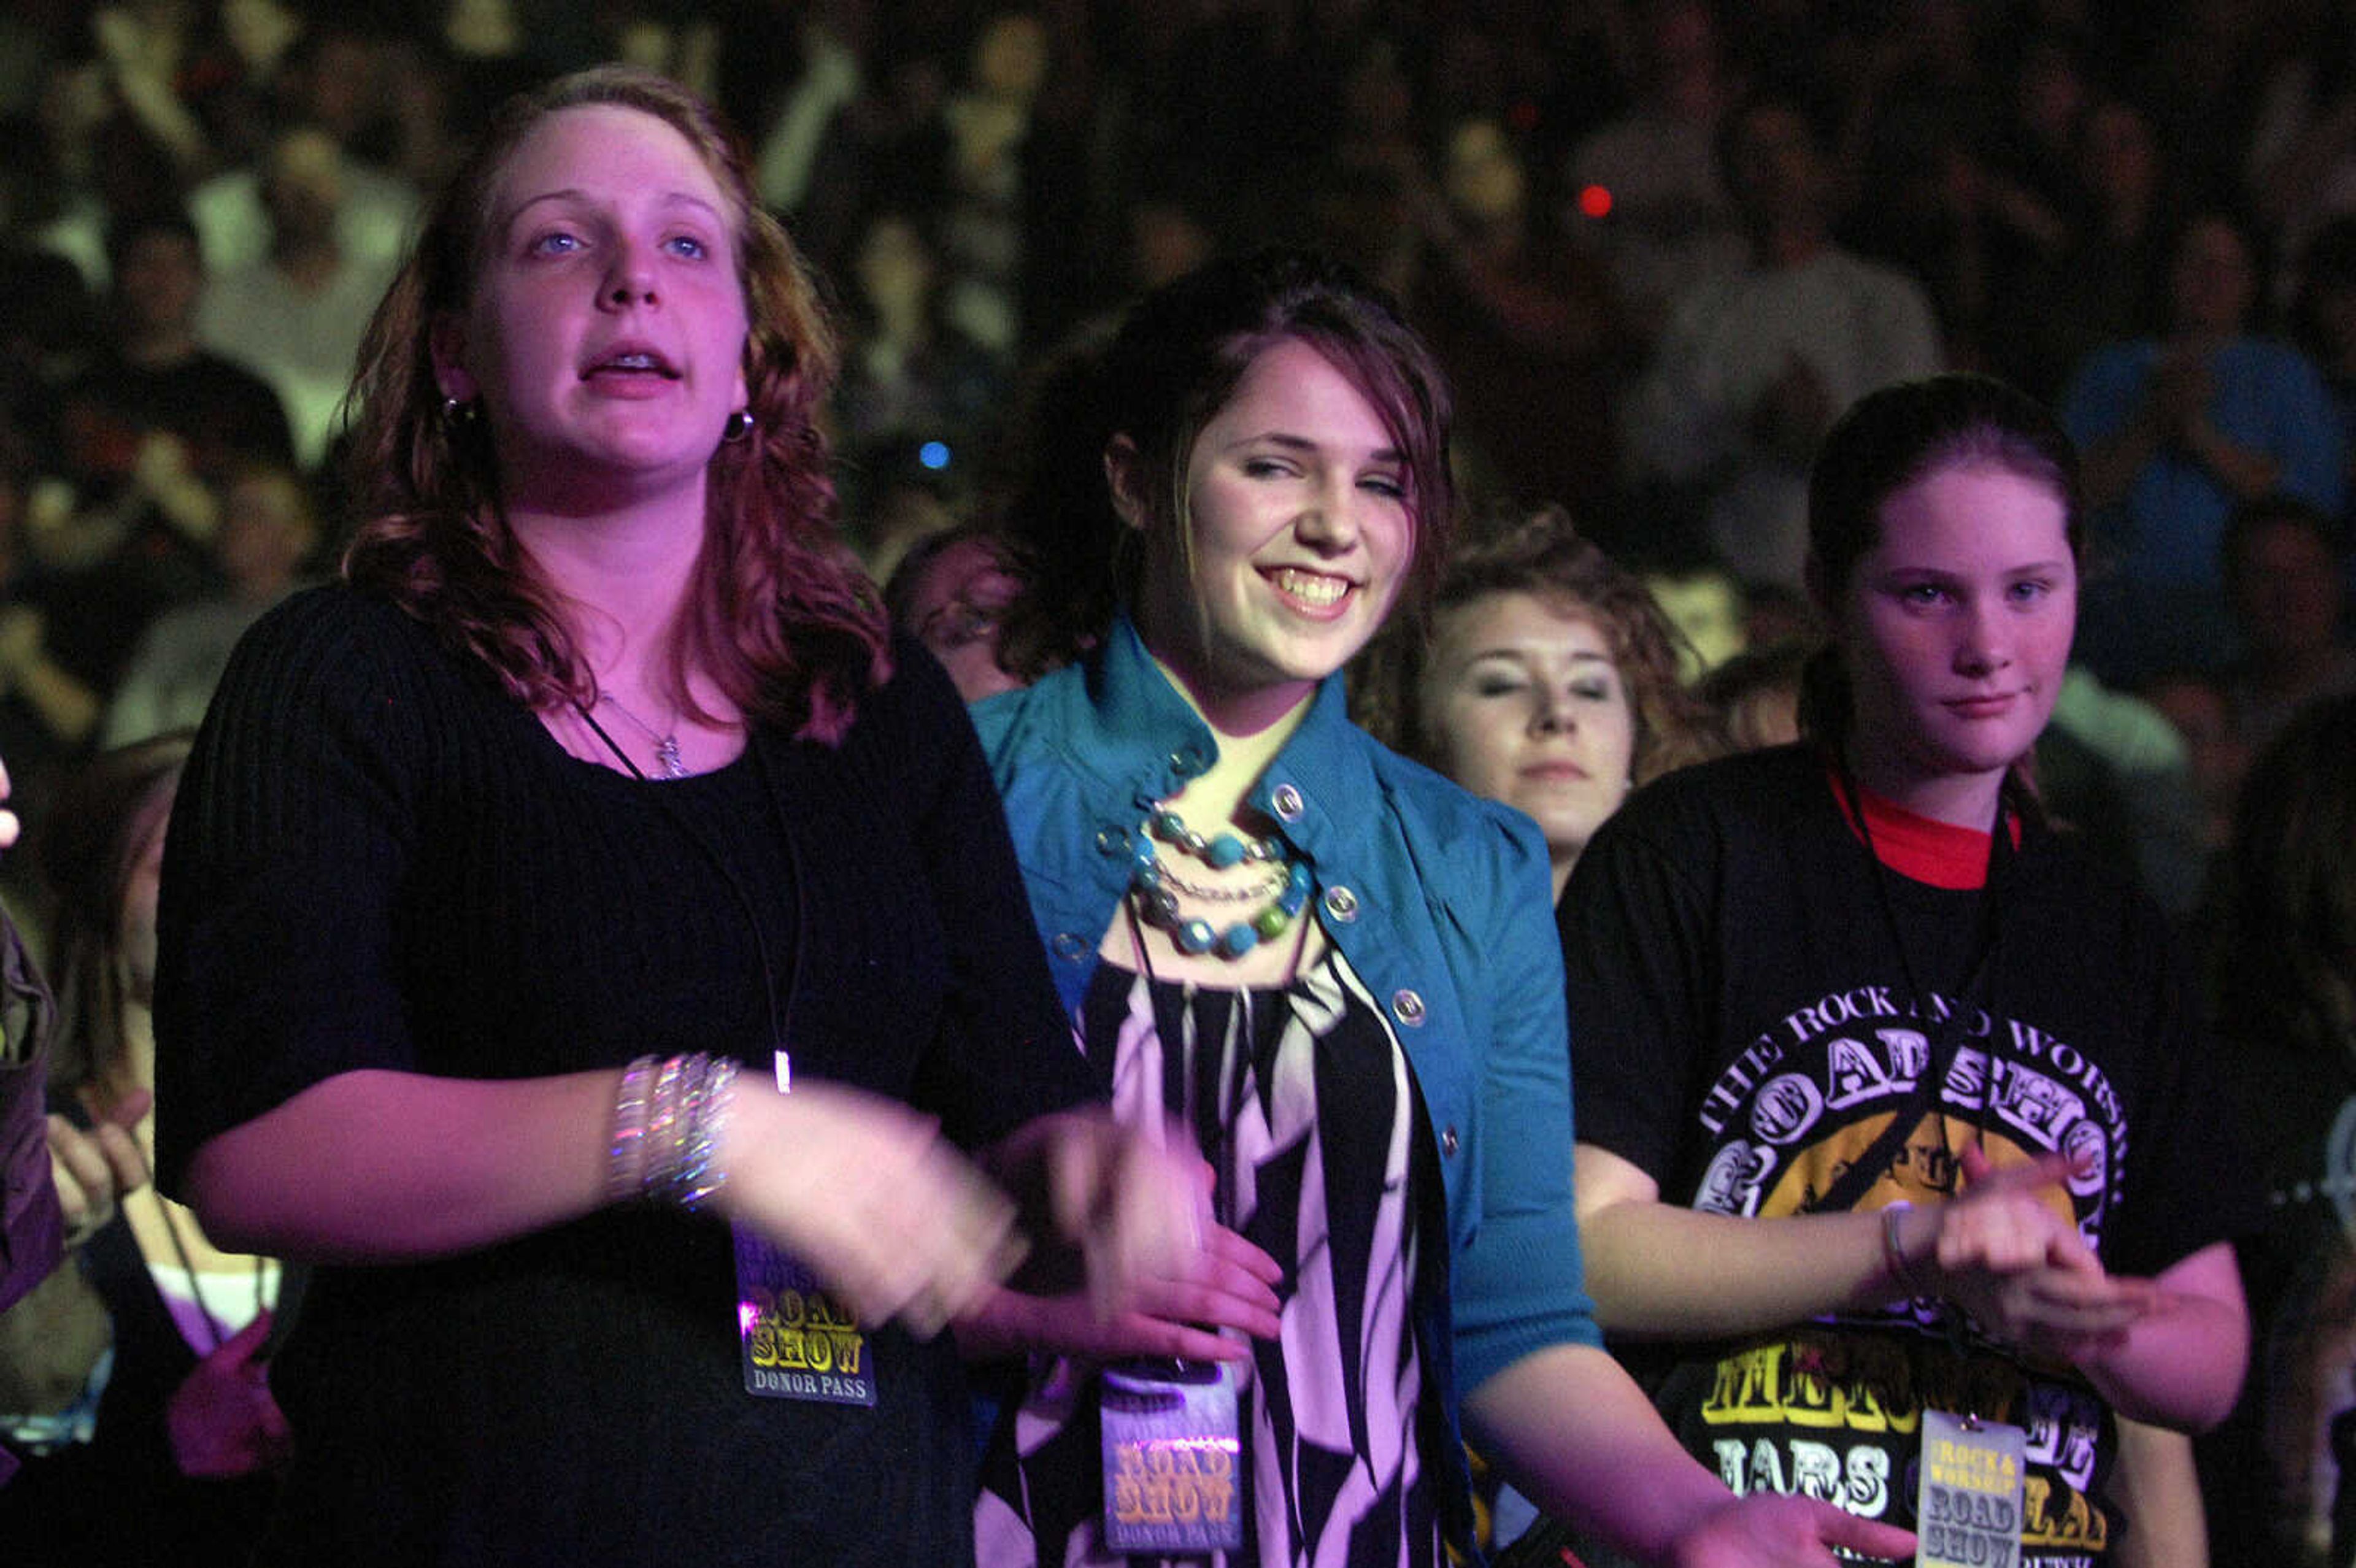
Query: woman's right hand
[2006, 1254]
[870, 1197]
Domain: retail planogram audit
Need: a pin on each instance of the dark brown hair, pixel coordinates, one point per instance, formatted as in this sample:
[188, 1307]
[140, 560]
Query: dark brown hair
[1177, 361]
[777, 613]
[1889, 440]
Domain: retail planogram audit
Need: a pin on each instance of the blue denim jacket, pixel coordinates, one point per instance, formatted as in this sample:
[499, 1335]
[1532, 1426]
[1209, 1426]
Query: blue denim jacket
[1441, 902]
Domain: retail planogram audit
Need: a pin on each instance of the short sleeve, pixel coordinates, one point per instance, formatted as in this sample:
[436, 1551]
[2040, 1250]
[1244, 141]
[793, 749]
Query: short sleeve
[1639, 957]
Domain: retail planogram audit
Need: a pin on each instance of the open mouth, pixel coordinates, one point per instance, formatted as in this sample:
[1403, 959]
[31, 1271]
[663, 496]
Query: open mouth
[632, 362]
[1310, 590]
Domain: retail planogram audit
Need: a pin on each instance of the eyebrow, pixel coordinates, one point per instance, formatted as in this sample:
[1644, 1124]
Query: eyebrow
[1519, 650]
[1303, 444]
[574, 193]
[2026, 568]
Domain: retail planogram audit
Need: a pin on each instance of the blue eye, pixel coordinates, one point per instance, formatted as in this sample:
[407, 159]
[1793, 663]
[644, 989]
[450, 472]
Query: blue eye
[1385, 485]
[555, 242]
[689, 246]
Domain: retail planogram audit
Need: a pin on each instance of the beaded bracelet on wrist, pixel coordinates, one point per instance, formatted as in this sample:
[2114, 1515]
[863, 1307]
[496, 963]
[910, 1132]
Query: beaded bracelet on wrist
[669, 1117]
[1903, 1271]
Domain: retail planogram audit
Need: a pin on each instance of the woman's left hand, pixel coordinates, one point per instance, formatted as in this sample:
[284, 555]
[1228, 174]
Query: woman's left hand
[222, 1419]
[1770, 1529]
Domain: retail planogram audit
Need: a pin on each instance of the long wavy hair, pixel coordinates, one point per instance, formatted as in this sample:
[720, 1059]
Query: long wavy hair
[777, 613]
[1177, 361]
[1543, 554]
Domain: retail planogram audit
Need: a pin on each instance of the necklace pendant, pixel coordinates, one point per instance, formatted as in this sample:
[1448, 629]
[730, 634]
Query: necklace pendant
[667, 759]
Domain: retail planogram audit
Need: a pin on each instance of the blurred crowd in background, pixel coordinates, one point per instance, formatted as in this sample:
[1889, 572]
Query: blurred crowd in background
[1658, 242]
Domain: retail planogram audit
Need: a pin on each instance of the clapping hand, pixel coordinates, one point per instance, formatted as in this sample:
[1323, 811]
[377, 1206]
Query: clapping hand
[2008, 1255]
[870, 1197]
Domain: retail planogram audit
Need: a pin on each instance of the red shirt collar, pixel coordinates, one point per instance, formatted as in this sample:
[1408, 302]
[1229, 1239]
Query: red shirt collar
[1920, 849]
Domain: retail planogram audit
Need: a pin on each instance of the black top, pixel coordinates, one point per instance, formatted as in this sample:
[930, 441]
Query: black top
[377, 859]
[1745, 1023]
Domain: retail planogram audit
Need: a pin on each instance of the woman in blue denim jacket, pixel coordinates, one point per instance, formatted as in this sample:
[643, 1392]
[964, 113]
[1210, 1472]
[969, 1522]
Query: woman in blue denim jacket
[1331, 968]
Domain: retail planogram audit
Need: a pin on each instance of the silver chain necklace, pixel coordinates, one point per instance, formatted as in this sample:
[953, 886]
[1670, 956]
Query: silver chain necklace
[666, 746]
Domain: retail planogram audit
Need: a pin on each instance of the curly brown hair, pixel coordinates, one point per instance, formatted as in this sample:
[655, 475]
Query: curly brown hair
[779, 616]
[1543, 553]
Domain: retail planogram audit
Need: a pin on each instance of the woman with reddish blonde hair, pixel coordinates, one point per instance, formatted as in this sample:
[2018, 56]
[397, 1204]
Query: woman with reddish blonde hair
[596, 781]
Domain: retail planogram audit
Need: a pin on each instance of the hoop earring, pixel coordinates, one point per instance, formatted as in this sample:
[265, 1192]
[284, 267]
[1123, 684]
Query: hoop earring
[740, 424]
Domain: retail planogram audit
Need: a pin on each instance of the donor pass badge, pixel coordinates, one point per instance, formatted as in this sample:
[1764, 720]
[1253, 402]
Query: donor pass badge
[1172, 1482]
[1967, 1511]
[798, 1342]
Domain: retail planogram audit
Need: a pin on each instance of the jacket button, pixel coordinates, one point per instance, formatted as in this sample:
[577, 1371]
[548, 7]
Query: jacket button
[1070, 944]
[1408, 1007]
[1341, 905]
[1448, 1141]
[1287, 801]
[1112, 841]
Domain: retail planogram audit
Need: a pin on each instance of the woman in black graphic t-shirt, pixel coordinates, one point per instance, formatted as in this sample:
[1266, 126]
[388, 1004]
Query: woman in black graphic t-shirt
[1889, 1101]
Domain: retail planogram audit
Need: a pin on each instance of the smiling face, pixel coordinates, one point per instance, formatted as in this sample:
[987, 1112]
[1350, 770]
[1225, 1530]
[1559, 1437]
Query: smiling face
[1524, 703]
[606, 328]
[1301, 529]
[1956, 629]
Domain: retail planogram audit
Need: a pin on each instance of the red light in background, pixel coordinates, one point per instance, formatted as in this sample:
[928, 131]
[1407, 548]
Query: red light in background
[1595, 201]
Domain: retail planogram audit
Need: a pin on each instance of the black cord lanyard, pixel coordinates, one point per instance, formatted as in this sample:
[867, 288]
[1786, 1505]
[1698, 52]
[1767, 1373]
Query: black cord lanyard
[779, 1013]
[1944, 1045]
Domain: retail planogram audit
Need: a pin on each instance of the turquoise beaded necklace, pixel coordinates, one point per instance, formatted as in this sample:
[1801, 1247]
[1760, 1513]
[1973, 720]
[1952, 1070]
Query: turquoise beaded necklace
[1157, 903]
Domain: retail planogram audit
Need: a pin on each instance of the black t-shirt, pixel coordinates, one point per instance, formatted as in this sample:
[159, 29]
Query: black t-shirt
[1745, 1023]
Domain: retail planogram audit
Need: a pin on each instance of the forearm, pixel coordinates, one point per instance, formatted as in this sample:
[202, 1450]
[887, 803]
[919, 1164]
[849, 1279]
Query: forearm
[2156, 1486]
[1570, 1429]
[1659, 1271]
[381, 1167]
[2181, 1367]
